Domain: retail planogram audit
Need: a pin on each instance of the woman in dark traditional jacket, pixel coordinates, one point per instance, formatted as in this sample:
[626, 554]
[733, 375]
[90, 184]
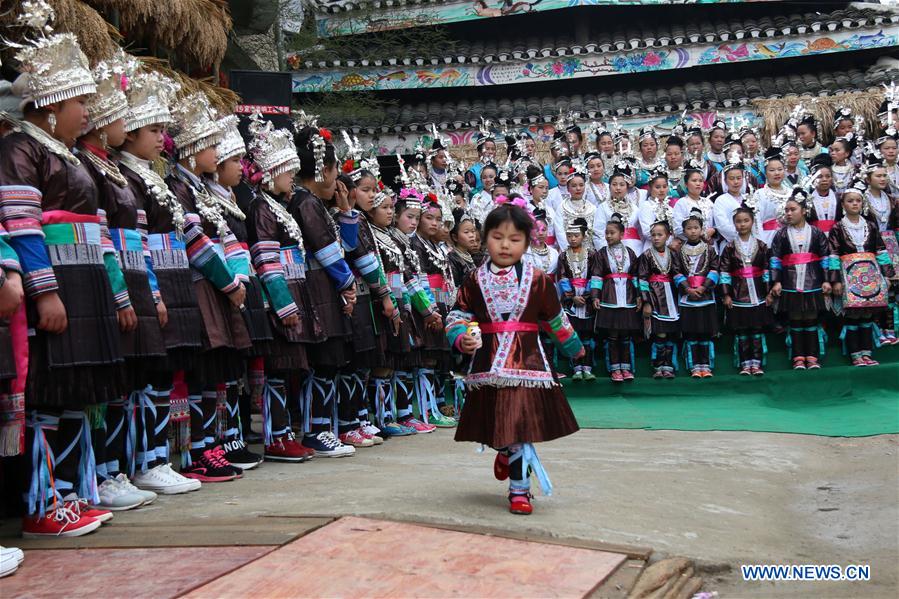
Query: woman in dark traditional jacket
[696, 264]
[143, 345]
[279, 257]
[235, 245]
[656, 273]
[331, 284]
[860, 267]
[49, 202]
[615, 290]
[744, 286]
[798, 253]
[220, 292]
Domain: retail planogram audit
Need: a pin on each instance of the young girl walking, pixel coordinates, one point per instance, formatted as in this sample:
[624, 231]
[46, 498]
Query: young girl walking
[514, 399]
[615, 292]
[744, 285]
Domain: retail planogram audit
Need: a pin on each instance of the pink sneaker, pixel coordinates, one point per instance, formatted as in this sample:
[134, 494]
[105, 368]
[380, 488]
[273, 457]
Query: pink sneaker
[627, 375]
[617, 377]
[869, 361]
[419, 426]
[356, 439]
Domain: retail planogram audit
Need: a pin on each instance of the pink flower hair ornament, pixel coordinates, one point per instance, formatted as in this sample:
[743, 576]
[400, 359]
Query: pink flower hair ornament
[519, 202]
[408, 192]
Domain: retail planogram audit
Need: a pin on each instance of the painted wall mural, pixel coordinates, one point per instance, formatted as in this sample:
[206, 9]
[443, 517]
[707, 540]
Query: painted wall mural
[391, 143]
[590, 65]
[372, 19]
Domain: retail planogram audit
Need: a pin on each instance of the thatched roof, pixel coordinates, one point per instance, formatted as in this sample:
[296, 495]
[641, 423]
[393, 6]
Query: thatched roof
[225, 100]
[195, 30]
[775, 112]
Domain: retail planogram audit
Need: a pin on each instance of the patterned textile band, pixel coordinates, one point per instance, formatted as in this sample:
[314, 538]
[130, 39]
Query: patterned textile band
[167, 251]
[72, 238]
[292, 262]
[129, 244]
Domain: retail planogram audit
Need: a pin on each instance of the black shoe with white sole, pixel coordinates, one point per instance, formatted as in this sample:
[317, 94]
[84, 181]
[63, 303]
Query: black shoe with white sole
[238, 454]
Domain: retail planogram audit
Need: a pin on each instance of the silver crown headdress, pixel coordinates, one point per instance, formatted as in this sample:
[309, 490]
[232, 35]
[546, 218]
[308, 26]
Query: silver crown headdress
[53, 66]
[272, 149]
[110, 102]
[149, 95]
[195, 126]
[232, 143]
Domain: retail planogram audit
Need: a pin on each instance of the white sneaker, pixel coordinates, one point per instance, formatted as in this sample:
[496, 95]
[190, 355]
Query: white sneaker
[14, 551]
[123, 482]
[162, 479]
[8, 563]
[115, 498]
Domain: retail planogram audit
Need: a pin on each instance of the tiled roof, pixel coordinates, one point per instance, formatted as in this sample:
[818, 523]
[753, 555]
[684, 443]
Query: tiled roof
[692, 95]
[591, 38]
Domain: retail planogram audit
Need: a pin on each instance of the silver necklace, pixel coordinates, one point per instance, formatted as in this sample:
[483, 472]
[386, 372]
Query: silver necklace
[106, 168]
[158, 190]
[284, 218]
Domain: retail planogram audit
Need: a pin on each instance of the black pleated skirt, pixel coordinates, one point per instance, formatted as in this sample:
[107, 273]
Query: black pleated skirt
[83, 365]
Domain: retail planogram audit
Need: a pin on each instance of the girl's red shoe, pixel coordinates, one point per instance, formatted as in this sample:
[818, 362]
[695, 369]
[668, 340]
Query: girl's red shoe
[501, 466]
[520, 504]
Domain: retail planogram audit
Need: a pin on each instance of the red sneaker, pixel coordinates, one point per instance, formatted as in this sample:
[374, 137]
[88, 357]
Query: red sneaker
[61, 522]
[869, 361]
[756, 371]
[501, 466]
[520, 504]
[80, 507]
[799, 363]
[859, 362]
[419, 426]
[284, 449]
[811, 363]
[616, 376]
[707, 374]
[627, 375]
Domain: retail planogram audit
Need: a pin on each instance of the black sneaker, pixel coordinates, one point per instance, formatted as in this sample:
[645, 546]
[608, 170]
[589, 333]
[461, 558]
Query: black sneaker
[238, 454]
[209, 469]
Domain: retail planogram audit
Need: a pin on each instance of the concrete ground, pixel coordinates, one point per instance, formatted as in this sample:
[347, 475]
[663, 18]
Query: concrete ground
[721, 498]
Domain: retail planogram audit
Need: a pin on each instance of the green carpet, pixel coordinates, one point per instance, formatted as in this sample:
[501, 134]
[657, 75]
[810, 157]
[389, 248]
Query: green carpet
[836, 401]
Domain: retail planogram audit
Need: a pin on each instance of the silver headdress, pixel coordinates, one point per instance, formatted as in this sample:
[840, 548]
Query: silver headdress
[663, 214]
[53, 66]
[110, 102]
[195, 126]
[232, 143]
[272, 149]
[149, 95]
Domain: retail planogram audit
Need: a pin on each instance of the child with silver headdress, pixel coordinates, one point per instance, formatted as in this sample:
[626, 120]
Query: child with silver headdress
[798, 277]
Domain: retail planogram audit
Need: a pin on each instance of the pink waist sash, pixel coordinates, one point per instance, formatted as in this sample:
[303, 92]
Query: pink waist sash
[801, 258]
[748, 272]
[618, 275]
[631, 233]
[695, 281]
[58, 217]
[579, 282]
[825, 225]
[509, 327]
[659, 278]
[771, 225]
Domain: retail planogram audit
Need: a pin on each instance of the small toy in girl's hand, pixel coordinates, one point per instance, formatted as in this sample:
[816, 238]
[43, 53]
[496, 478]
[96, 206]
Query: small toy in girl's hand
[474, 331]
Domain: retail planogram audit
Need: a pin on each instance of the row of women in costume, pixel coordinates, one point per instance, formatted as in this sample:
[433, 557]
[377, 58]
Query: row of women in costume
[142, 301]
[587, 196]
